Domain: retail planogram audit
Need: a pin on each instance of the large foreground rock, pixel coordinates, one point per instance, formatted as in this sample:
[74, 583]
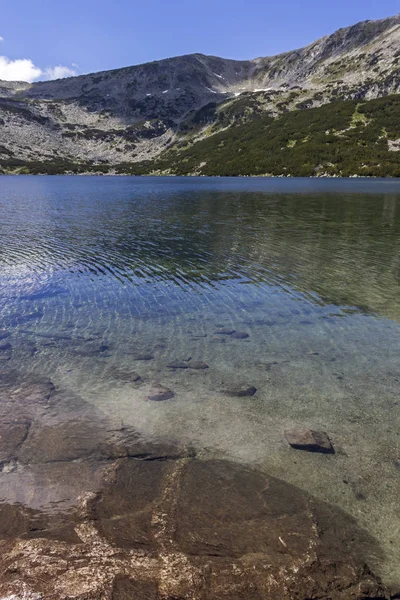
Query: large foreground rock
[183, 529]
[91, 512]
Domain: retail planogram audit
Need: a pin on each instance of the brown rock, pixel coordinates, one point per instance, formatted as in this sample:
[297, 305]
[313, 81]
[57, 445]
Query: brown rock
[160, 393]
[131, 498]
[309, 440]
[218, 531]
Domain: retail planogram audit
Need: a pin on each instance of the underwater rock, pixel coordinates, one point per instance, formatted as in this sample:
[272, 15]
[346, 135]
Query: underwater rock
[239, 335]
[160, 393]
[309, 440]
[4, 347]
[4, 334]
[240, 392]
[198, 365]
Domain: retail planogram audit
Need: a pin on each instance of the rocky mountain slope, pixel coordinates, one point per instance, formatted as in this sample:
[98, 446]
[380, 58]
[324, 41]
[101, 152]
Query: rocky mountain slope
[134, 114]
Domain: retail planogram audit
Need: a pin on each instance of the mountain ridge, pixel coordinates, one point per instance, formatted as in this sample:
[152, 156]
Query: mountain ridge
[134, 114]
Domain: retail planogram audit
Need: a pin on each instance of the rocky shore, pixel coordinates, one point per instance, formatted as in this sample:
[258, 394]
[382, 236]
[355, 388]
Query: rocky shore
[93, 512]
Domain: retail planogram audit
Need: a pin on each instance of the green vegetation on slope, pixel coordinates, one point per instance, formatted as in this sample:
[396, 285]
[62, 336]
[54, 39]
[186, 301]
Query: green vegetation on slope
[342, 138]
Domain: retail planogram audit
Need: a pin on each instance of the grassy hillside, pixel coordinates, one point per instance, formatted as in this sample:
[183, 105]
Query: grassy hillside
[342, 138]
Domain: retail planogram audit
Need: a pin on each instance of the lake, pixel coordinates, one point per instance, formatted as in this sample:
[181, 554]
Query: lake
[110, 286]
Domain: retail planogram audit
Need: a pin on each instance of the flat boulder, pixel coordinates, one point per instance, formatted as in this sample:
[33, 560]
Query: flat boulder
[240, 335]
[309, 440]
[160, 393]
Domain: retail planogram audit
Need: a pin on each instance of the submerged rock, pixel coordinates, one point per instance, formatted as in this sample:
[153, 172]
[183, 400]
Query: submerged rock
[5, 346]
[178, 365]
[198, 365]
[309, 440]
[225, 331]
[240, 391]
[4, 334]
[240, 335]
[160, 393]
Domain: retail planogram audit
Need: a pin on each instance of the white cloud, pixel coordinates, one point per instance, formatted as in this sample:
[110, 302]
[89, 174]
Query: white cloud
[1, 39]
[18, 70]
[59, 72]
[24, 69]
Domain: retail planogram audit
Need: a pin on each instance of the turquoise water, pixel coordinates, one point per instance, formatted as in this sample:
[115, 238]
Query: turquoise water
[97, 273]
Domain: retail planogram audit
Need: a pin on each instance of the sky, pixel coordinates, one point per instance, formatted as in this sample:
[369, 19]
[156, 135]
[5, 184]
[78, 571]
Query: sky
[48, 39]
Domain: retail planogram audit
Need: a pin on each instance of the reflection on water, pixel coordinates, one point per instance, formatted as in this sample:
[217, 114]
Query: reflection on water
[107, 282]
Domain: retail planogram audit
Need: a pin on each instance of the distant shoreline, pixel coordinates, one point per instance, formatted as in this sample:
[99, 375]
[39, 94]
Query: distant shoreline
[190, 176]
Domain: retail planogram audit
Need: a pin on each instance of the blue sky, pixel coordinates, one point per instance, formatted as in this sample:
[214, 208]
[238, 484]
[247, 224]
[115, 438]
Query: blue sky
[50, 38]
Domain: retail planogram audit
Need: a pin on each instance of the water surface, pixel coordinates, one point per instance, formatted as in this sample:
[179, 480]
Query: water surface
[96, 273]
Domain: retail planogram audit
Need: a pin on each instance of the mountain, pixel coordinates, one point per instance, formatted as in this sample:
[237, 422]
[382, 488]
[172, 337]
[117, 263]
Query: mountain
[148, 117]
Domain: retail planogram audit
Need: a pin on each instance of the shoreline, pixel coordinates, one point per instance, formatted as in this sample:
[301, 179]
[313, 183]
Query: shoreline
[192, 176]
